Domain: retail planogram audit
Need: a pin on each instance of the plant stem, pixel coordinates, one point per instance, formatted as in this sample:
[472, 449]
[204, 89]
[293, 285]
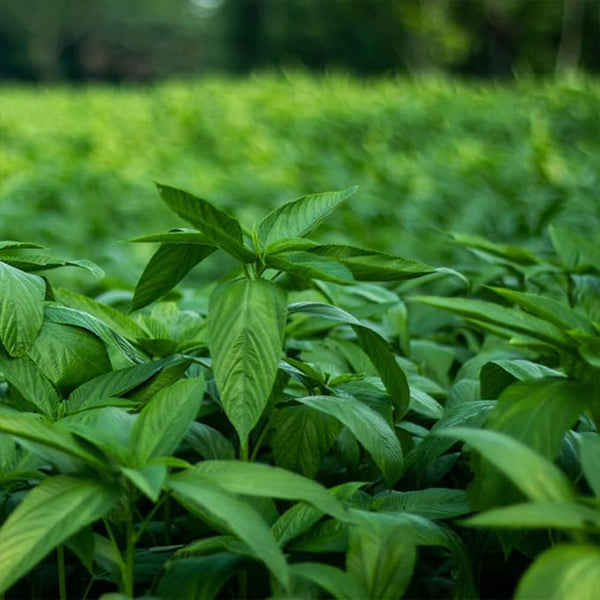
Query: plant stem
[167, 518]
[244, 450]
[243, 585]
[259, 441]
[62, 581]
[129, 558]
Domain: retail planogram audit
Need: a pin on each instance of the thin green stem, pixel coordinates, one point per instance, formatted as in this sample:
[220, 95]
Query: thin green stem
[244, 449]
[62, 580]
[149, 516]
[259, 442]
[129, 558]
[167, 520]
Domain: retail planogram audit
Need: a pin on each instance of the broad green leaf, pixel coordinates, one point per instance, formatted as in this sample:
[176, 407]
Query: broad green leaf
[14, 245]
[50, 514]
[548, 309]
[299, 217]
[164, 421]
[255, 479]
[539, 515]
[26, 377]
[199, 577]
[290, 245]
[21, 309]
[506, 318]
[29, 261]
[513, 254]
[167, 267]
[537, 477]
[589, 346]
[565, 572]
[325, 537]
[381, 555]
[366, 265]
[589, 452]
[305, 264]
[217, 226]
[149, 479]
[577, 253]
[432, 503]
[52, 435]
[113, 384]
[245, 335]
[301, 437]
[114, 318]
[56, 313]
[336, 582]
[369, 428]
[238, 516]
[68, 356]
[376, 347]
[208, 442]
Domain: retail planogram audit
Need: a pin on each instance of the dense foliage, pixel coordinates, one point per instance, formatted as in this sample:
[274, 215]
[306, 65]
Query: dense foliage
[429, 157]
[321, 420]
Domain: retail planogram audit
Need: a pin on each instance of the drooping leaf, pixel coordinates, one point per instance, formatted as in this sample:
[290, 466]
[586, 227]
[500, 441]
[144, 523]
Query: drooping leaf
[432, 503]
[589, 451]
[539, 515]
[167, 267]
[336, 582]
[164, 421]
[381, 555]
[21, 309]
[245, 335]
[369, 428]
[299, 217]
[147, 478]
[51, 513]
[301, 437]
[179, 235]
[537, 477]
[564, 572]
[305, 264]
[255, 479]
[208, 442]
[577, 253]
[236, 514]
[217, 226]
[33, 262]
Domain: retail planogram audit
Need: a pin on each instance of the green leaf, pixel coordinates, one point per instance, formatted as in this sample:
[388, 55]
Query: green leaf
[149, 479]
[381, 555]
[577, 253]
[589, 452]
[255, 479]
[301, 438]
[28, 379]
[376, 347]
[21, 309]
[305, 264]
[167, 267]
[432, 503]
[217, 226]
[512, 254]
[290, 245]
[299, 217]
[336, 582]
[565, 572]
[50, 514]
[245, 335]
[29, 261]
[14, 245]
[68, 355]
[199, 577]
[113, 384]
[164, 421]
[238, 516]
[539, 515]
[366, 265]
[179, 235]
[537, 477]
[507, 318]
[208, 442]
[369, 428]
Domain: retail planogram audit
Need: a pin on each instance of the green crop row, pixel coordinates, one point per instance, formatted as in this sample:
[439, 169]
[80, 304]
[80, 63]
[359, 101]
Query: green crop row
[318, 421]
[429, 157]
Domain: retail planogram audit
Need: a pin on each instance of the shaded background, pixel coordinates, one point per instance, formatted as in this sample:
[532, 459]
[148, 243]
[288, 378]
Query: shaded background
[141, 40]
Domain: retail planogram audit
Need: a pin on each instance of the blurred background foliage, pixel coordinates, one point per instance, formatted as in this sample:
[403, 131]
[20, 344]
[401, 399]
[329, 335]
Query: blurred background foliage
[141, 40]
[446, 113]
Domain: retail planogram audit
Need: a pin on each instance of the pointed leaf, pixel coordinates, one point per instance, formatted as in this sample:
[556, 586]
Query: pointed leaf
[164, 421]
[149, 479]
[208, 442]
[299, 217]
[589, 452]
[21, 309]
[245, 335]
[333, 580]
[305, 264]
[217, 226]
[576, 252]
[167, 267]
[369, 428]
[50, 514]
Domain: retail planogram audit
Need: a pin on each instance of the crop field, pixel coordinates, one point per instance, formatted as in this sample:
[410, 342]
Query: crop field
[351, 349]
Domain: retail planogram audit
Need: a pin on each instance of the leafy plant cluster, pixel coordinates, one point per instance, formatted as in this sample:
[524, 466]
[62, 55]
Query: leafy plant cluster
[499, 160]
[316, 423]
